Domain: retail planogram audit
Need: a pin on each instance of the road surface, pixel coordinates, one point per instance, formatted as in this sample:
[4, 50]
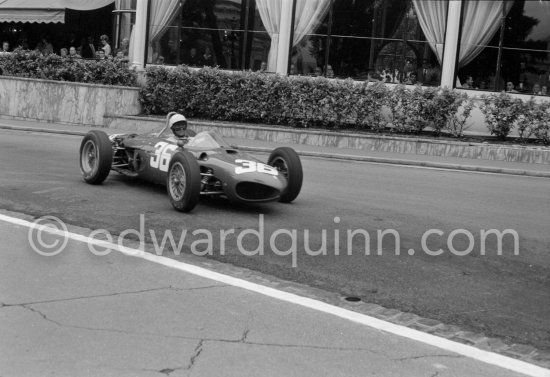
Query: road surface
[500, 295]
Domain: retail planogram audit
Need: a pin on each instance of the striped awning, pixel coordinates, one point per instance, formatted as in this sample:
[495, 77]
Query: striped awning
[40, 11]
[44, 16]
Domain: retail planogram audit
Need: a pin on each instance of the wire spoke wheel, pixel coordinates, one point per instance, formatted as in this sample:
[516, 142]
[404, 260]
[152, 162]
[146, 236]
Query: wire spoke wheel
[89, 157]
[183, 181]
[96, 157]
[177, 181]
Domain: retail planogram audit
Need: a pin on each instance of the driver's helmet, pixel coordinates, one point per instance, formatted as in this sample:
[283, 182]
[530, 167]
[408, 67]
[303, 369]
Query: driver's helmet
[178, 125]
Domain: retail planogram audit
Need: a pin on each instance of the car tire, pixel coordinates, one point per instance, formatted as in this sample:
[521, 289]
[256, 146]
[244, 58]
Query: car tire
[183, 182]
[96, 157]
[288, 163]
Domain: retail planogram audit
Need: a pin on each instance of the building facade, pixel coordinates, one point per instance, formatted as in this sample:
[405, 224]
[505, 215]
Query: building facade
[472, 44]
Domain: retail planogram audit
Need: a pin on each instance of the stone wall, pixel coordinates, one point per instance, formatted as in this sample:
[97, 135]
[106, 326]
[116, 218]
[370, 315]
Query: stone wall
[368, 142]
[65, 102]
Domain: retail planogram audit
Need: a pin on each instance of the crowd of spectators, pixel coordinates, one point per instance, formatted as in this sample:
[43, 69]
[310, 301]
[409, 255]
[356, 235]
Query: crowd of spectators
[529, 81]
[195, 57]
[85, 48]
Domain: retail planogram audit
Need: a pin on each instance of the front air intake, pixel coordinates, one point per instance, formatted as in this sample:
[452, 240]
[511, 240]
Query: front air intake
[253, 191]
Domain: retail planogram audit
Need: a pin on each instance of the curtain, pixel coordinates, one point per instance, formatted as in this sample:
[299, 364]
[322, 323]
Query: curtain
[481, 22]
[432, 16]
[270, 13]
[163, 13]
[309, 13]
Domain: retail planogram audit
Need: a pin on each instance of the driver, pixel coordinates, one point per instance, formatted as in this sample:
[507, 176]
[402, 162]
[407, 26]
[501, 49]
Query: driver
[178, 125]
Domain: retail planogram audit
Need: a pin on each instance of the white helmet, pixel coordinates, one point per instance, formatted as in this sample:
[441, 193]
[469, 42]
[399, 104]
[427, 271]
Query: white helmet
[178, 125]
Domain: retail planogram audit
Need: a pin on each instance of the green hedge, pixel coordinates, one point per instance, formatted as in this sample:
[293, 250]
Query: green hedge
[503, 113]
[298, 101]
[32, 64]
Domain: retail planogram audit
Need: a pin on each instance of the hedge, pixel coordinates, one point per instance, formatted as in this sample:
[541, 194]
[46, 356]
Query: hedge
[32, 64]
[298, 101]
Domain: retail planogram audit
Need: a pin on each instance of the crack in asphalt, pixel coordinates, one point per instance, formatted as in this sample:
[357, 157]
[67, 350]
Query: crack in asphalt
[112, 295]
[244, 336]
[241, 340]
[196, 354]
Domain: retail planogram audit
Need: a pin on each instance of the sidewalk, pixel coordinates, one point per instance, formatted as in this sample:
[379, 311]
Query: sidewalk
[79, 314]
[476, 165]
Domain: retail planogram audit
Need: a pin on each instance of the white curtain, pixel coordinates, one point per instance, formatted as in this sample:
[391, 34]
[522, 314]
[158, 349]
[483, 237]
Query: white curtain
[309, 13]
[432, 16]
[481, 22]
[162, 13]
[270, 13]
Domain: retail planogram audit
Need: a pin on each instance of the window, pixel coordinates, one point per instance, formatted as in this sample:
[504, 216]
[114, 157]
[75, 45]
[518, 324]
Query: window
[371, 39]
[225, 33]
[505, 46]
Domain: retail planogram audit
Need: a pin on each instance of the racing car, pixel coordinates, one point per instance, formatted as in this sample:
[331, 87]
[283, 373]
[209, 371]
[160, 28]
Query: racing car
[192, 165]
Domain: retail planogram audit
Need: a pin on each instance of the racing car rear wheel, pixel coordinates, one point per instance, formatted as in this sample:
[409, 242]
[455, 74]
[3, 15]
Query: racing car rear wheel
[96, 157]
[288, 163]
[184, 181]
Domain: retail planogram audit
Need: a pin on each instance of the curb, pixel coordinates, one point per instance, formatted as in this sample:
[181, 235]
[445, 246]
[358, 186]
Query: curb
[342, 157]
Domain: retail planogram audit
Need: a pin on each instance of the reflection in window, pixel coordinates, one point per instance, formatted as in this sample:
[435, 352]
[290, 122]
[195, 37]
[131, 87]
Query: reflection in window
[505, 46]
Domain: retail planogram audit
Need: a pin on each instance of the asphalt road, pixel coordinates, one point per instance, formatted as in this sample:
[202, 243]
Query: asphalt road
[77, 314]
[501, 295]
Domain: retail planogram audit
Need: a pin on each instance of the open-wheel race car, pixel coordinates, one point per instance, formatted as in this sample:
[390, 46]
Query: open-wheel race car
[192, 165]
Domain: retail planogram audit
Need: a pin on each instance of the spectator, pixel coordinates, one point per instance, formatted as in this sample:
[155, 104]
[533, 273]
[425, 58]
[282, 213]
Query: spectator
[5, 47]
[469, 84]
[263, 66]
[160, 60]
[330, 72]
[120, 56]
[208, 58]
[194, 59]
[105, 46]
[72, 53]
[125, 46]
[293, 70]
[318, 71]
[536, 89]
[44, 46]
[101, 55]
[544, 90]
[510, 87]
[63, 52]
[412, 80]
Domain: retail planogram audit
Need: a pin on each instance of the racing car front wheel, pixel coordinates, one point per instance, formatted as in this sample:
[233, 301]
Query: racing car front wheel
[184, 181]
[96, 157]
[288, 163]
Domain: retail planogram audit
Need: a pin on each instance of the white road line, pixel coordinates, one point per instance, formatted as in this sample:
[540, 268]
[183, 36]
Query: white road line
[432, 340]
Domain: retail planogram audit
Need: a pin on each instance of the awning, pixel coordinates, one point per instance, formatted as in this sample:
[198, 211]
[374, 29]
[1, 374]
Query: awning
[44, 16]
[38, 12]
